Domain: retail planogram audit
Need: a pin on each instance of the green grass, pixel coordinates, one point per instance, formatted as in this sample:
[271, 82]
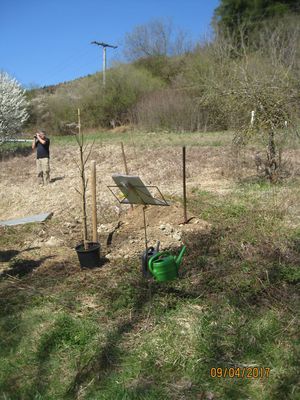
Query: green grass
[134, 138]
[108, 334]
[8, 149]
[153, 139]
[140, 139]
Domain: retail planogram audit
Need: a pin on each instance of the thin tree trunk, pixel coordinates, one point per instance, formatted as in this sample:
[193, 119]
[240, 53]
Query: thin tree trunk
[83, 185]
[83, 192]
[94, 201]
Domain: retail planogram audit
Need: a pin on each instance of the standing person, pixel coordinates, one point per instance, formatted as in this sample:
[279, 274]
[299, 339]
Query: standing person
[41, 143]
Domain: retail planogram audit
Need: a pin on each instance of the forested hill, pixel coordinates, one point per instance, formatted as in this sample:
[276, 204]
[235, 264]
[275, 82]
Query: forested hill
[171, 84]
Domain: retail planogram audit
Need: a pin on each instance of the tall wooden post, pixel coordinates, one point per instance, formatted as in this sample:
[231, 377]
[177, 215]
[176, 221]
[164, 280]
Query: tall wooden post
[124, 158]
[184, 185]
[133, 144]
[94, 203]
[125, 165]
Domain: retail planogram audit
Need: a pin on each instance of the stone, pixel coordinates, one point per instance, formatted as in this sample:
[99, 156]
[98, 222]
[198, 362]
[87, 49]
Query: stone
[37, 243]
[53, 242]
[177, 235]
[169, 228]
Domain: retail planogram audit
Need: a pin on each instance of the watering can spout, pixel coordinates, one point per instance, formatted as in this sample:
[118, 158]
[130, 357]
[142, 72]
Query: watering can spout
[179, 258]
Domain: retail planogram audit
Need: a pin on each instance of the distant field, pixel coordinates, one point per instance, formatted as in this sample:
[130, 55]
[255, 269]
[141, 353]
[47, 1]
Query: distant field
[155, 138]
[144, 139]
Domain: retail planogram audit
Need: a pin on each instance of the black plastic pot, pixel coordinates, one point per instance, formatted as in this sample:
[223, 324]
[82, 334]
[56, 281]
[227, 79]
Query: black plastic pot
[89, 258]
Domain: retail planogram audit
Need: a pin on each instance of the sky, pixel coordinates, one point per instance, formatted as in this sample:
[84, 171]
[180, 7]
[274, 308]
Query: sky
[45, 42]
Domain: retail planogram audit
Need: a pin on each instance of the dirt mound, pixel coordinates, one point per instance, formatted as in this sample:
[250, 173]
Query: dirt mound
[165, 224]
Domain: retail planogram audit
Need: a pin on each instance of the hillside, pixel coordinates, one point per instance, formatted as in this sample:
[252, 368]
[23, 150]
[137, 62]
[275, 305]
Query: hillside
[212, 86]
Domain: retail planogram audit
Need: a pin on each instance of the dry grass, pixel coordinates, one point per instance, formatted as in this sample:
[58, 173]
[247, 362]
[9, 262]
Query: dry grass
[21, 195]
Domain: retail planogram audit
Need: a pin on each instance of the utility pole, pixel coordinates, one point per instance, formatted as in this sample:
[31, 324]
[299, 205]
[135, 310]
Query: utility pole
[104, 46]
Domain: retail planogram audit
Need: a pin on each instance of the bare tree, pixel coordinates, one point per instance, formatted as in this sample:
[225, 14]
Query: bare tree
[280, 41]
[259, 75]
[272, 87]
[156, 38]
[81, 165]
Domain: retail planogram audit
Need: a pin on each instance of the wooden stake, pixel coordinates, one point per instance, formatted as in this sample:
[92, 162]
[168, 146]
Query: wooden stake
[125, 165]
[94, 204]
[133, 145]
[124, 158]
[184, 185]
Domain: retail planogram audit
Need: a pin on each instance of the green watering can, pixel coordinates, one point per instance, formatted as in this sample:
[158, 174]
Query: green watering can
[164, 267]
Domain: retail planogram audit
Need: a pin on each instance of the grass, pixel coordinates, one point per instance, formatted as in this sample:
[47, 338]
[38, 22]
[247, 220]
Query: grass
[138, 139]
[8, 149]
[153, 139]
[108, 334]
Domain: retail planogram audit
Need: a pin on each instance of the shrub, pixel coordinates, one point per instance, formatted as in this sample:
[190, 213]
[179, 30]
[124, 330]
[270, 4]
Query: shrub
[125, 84]
[170, 110]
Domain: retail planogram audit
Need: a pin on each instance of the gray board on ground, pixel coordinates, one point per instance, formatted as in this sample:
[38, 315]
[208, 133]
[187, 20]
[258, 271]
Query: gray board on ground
[26, 220]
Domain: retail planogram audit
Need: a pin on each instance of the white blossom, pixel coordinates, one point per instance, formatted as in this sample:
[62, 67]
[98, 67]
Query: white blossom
[13, 106]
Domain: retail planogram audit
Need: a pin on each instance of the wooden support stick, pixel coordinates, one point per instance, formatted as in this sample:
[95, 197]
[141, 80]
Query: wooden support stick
[125, 165]
[94, 204]
[133, 145]
[124, 158]
[184, 185]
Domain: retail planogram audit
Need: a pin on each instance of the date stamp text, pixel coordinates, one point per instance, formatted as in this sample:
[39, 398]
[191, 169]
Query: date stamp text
[240, 372]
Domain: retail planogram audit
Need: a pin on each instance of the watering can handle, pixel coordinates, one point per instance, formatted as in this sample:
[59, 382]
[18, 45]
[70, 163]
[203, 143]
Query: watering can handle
[150, 265]
[154, 258]
[150, 262]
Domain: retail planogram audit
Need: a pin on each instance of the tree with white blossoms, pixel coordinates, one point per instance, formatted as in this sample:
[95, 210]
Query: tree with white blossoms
[13, 106]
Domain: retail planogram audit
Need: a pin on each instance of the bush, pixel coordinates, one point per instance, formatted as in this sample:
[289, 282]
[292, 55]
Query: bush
[163, 67]
[170, 110]
[125, 84]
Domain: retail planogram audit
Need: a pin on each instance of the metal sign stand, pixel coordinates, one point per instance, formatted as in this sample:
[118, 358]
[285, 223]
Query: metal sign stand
[139, 195]
[145, 229]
